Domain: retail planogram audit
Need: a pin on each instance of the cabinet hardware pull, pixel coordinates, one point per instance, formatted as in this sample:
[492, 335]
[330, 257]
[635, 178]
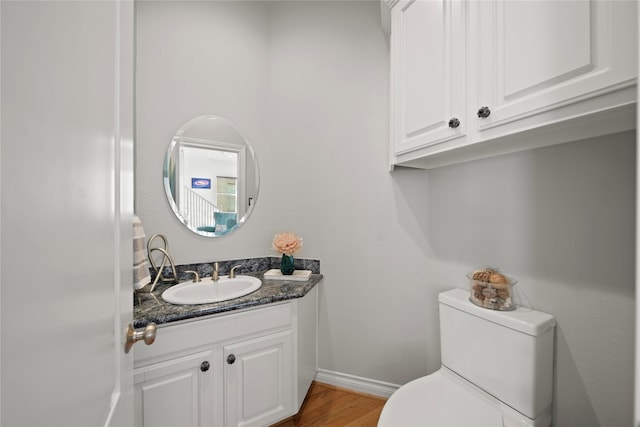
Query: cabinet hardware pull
[148, 334]
[204, 367]
[231, 359]
[484, 112]
[454, 123]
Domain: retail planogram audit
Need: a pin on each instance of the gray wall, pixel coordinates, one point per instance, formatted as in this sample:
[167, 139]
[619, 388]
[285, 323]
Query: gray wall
[307, 82]
[197, 58]
[562, 220]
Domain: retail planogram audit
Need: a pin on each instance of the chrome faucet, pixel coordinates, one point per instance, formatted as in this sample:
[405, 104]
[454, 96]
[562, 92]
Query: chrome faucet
[215, 275]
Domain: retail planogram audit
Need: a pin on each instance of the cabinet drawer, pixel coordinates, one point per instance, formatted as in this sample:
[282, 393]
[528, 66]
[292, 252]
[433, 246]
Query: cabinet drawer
[184, 337]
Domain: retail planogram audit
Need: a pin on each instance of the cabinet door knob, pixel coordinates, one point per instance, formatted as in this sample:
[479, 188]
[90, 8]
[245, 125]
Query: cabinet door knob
[231, 359]
[454, 123]
[204, 366]
[484, 112]
[148, 334]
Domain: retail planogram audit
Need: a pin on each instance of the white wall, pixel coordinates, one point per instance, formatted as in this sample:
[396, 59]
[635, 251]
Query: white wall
[560, 219]
[329, 80]
[198, 58]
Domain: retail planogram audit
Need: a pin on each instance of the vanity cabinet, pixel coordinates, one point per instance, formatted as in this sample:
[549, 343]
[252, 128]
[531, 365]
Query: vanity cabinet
[527, 73]
[246, 368]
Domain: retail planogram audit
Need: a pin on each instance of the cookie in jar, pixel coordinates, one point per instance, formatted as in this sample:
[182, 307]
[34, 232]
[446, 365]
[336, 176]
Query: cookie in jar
[489, 288]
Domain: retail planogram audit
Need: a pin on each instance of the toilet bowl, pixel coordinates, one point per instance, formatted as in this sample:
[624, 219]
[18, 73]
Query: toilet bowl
[497, 370]
[443, 399]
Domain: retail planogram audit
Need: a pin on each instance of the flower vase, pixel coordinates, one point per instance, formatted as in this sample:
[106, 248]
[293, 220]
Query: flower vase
[287, 265]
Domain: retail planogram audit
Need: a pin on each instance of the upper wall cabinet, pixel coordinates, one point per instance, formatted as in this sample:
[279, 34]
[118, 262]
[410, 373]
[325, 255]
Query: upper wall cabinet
[428, 54]
[472, 79]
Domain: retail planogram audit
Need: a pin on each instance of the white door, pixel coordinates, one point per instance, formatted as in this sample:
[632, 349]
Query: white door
[637, 347]
[66, 177]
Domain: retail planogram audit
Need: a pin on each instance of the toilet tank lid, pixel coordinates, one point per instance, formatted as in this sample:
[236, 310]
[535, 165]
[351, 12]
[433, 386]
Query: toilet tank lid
[522, 319]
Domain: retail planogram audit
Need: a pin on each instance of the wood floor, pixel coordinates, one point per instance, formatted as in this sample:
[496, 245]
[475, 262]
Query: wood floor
[330, 406]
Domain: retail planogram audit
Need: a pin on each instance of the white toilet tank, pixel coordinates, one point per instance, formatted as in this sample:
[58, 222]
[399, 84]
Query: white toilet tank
[508, 354]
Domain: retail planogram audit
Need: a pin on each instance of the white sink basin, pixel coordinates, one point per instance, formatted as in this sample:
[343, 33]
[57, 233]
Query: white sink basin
[208, 291]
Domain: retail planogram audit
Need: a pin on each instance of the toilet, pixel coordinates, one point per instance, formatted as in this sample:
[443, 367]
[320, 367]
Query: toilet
[497, 370]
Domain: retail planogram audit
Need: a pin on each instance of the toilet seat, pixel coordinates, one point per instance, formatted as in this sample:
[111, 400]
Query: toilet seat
[444, 399]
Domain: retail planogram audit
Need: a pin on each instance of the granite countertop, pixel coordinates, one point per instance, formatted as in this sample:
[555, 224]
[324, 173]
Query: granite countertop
[150, 307]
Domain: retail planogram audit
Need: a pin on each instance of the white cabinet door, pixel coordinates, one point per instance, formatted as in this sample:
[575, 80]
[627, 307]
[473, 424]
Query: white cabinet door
[259, 380]
[427, 73]
[178, 392]
[531, 57]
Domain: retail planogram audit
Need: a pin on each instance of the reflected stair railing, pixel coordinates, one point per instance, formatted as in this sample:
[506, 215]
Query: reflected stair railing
[197, 210]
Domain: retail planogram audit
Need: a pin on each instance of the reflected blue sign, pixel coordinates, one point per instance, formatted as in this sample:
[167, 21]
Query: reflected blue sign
[200, 183]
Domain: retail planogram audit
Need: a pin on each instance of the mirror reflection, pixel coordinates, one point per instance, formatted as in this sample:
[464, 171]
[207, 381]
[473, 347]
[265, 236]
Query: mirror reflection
[210, 176]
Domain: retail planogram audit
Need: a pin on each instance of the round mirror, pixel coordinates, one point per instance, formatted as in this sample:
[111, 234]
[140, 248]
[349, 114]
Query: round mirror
[210, 176]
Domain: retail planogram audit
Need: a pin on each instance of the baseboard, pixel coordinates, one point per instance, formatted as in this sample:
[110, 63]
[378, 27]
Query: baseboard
[359, 384]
